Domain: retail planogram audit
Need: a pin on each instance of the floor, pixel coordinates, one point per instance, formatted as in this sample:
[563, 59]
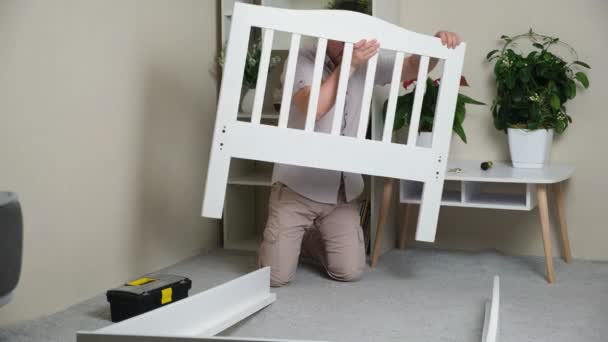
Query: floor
[413, 295]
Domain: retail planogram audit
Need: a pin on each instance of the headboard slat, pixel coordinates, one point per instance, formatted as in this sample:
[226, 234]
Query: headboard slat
[418, 98]
[260, 88]
[392, 98]
[313, 101]
[342, 86]
[367, 96]
[290, 71]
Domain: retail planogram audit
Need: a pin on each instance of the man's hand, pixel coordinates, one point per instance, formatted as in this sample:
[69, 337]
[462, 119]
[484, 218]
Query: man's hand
[363, 50]
[412, 63]
[449, 39]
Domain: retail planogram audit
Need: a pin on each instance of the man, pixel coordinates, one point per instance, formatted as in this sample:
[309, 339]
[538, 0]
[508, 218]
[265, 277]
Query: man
[316, 209]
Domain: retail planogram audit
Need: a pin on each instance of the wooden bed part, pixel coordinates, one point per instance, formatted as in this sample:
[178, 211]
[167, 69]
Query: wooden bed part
[384, 158]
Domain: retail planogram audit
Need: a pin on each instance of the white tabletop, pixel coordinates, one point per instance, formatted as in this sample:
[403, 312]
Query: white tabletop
[504, 172]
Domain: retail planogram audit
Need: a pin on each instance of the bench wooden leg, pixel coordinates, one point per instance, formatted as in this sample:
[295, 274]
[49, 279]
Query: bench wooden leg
[407, 213]
[384, 207]
[563, 225]
[543, 210]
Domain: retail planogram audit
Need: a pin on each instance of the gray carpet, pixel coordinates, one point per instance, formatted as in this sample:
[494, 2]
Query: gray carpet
[413, 295]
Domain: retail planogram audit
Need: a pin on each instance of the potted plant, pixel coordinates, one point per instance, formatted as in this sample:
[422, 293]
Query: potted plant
[250, 76]
[531, 92]
[405, 103]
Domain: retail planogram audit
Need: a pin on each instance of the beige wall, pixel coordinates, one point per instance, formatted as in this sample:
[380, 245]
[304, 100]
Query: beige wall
[106, 111]
[584, 25]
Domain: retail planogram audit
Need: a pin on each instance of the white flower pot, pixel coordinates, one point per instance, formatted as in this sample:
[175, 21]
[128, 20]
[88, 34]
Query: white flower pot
[530, 149]
[425, 139]
[247, 101]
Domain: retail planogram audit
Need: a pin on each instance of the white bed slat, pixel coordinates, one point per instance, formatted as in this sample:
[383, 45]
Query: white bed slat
[292, 61]
[418, 98]
[313, 101]
[260, 87]
[387, 134]
[367, 96]
[342, 86]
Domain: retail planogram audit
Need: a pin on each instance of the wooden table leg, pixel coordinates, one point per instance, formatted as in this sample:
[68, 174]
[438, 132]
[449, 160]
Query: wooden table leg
[384, 207]
[563, 225]
[407, 210]
[543, 210]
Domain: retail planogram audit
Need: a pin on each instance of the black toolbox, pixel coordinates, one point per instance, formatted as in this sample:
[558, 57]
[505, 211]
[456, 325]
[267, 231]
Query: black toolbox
[145, 294]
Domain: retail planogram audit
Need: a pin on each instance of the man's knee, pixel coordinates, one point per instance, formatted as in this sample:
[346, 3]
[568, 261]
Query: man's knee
[351, 271]
[278, 277]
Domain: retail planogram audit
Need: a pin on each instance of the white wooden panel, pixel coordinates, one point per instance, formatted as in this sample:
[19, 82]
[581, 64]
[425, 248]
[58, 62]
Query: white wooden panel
[442, 136]
[92, 337]
[346, 153]
[204, 314]
[260, 88]
[429, 211]
[367, 96]
[347, 55]
[311, 116]
[306, 148]
[418, 98]
[345, 26]
[227, 111]
[492, 314]
[387, 134]
[290, 71]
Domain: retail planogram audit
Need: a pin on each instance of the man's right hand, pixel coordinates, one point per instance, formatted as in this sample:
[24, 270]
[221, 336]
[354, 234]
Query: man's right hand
[363, 50]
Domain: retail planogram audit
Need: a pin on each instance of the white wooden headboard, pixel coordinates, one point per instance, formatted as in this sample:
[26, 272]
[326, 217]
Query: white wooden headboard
[256, 141]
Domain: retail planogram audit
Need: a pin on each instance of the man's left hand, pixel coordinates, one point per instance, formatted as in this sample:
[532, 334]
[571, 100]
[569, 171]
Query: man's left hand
[449, 39]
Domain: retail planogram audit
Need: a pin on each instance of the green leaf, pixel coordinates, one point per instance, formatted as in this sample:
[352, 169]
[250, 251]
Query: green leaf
[583, 64]
[460, 131]
[555, 102]
[570, 89]
[534, 113]
[581, 77]
[510, 80]
[399, 122]
[524, 76]
[537, 45]
[490, 54]
[459, 114]
[505, 37]
[533, 125]
[466, 99]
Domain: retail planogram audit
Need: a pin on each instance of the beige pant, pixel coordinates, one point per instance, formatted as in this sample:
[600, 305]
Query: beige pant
[330, 233]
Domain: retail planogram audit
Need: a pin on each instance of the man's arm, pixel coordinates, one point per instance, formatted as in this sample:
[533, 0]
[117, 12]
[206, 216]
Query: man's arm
[362, 51]
[412, 63]
[327, 94]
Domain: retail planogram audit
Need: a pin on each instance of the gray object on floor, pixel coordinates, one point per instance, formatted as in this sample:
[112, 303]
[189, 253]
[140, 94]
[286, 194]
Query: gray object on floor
[11, 244]
[413, 295]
